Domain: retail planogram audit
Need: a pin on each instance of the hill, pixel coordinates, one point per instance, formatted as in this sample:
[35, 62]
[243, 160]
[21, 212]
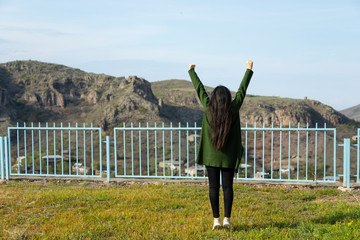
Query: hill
[32, 91]
[259, 109]
[353, 112]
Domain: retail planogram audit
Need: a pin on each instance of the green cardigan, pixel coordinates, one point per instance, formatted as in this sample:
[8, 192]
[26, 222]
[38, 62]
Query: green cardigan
[230, 155]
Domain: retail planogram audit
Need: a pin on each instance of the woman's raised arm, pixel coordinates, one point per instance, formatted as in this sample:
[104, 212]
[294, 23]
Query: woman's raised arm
[199, 87]
[241, 93]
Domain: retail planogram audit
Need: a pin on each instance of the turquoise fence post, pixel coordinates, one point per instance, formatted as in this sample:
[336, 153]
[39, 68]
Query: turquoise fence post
[108, 157]
[7, 159]
[2, 155]
[346, 178]
[358, 154]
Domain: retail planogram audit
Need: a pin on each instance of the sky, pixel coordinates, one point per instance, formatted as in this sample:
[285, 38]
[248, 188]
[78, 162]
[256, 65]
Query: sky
[300, 48]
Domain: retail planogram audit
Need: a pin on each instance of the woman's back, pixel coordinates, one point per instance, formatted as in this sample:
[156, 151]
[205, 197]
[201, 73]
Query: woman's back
[229, 155]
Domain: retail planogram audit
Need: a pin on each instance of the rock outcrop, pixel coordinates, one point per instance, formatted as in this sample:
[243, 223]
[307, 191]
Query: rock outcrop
[4, 97]
[285, 111]
[142, 88]
[52, 98]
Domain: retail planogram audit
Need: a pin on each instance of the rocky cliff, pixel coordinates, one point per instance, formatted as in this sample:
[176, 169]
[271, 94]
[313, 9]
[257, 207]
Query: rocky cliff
[277, 110]
[256, 109]
[32, 91]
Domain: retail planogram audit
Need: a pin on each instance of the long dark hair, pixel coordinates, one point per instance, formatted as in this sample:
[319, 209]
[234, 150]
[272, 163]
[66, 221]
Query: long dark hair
[219, 108]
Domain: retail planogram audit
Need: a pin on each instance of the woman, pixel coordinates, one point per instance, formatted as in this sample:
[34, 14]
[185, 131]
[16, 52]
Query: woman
[220, 148]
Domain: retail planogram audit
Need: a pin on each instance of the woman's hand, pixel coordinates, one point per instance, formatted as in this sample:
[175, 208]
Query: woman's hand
[249, 64]
[191, 66]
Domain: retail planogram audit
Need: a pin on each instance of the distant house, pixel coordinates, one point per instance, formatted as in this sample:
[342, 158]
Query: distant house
[52, 158]
[192, 137]
[243, 166]
[171, 164]
[21, 159]
[80, 169]
[262, 175]
[195, 171]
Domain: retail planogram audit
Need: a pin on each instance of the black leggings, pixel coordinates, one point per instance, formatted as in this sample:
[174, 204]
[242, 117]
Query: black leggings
[214, 188]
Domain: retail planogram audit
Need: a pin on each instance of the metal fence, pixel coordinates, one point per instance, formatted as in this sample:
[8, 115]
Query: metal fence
[357, 145]
[351, 160]
[289, 154]
[4, 171]
[283, 153]
[276, 154]
[71, 151]
[158, 151]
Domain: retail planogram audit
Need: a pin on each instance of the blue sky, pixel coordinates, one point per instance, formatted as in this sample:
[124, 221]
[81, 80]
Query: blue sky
[299, 48]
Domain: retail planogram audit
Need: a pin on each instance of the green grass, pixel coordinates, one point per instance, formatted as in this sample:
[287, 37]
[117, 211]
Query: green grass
[79, 210]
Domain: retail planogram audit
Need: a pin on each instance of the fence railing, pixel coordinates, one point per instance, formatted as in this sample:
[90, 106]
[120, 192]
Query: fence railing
[71, 151]
[358, 156]
[351, 160]
[158, 151]
[4, 171]
[283, 153]
[289, 154]
[276, 154]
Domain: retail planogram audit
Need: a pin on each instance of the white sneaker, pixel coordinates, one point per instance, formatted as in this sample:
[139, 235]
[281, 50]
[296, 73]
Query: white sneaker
[217, 224]
[227, 223]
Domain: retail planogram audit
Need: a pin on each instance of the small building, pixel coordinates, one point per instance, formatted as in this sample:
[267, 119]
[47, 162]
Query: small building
[52, 158]
[21, 160]
[191, 138]
[79, 168]
[332, 178]
[170, 165]
[198, 171]
[243, 166]
[261, 175]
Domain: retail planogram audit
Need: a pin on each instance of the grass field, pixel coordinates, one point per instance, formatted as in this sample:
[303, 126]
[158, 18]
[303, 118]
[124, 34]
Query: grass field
[83, 210]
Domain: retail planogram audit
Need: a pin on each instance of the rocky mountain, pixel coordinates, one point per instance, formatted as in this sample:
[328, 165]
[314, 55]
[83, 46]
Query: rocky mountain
[257, 109]
[32, 91]
[353, 112]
